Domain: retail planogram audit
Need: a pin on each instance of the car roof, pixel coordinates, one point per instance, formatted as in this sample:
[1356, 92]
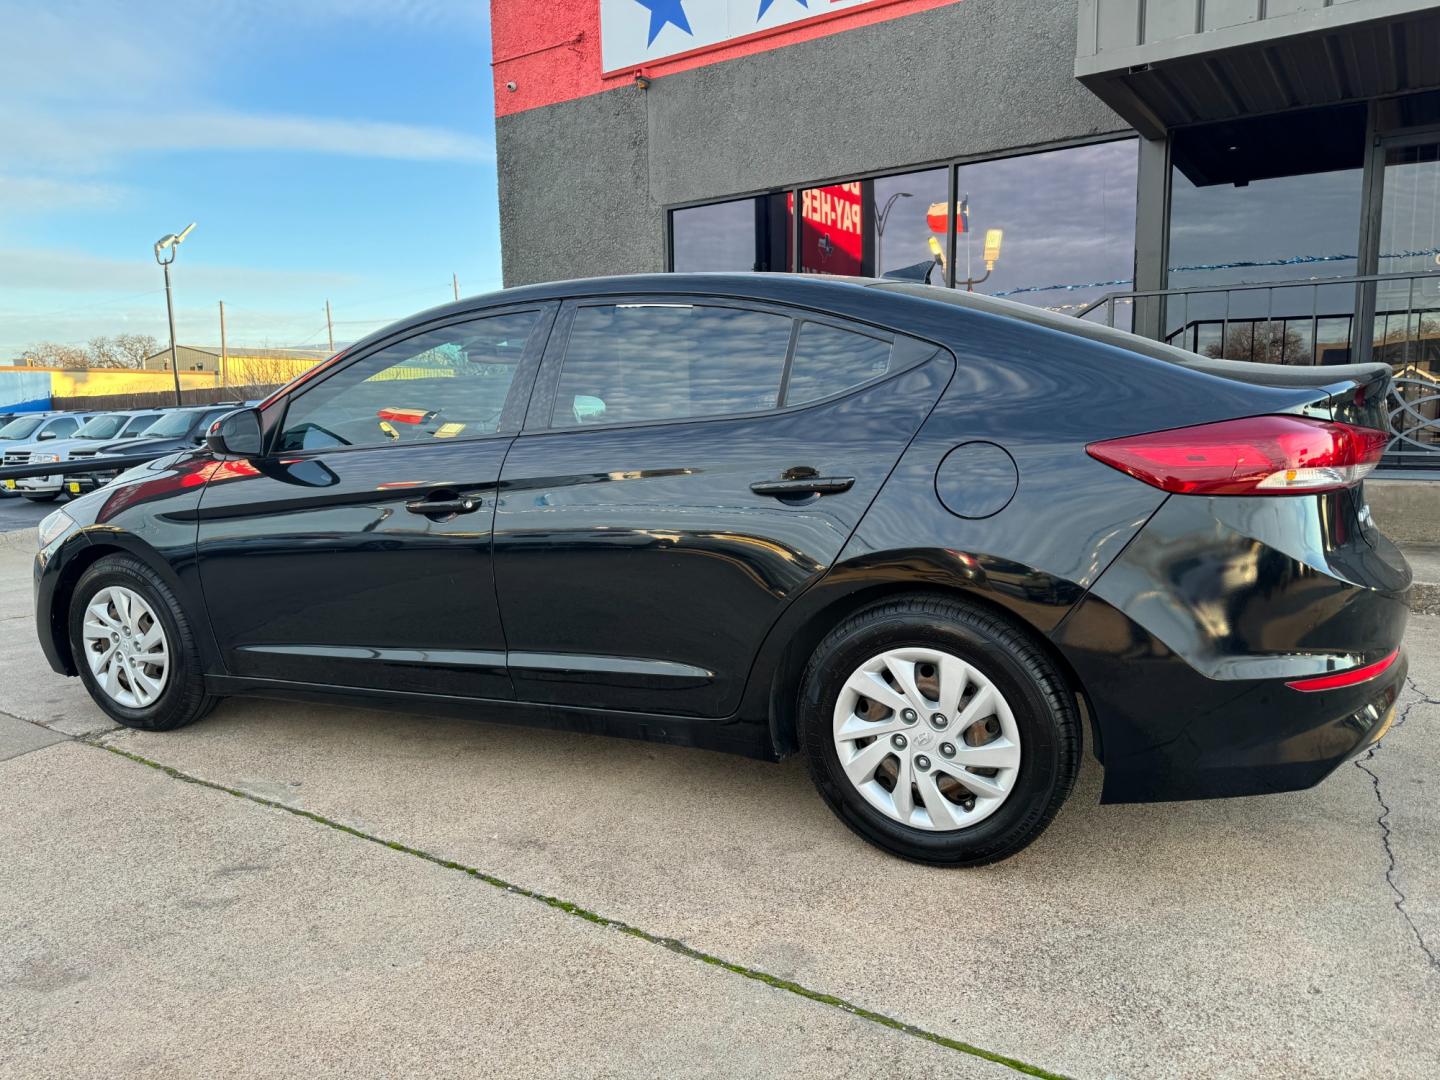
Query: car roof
[822, 291]
[819, 290]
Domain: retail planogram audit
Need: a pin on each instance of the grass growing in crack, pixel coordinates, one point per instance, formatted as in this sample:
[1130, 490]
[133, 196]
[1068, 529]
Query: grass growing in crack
[672, 944]
[1383, 820]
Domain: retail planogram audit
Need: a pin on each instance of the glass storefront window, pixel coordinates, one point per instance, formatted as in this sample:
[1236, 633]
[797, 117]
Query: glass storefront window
[741, 235]
[871, 227]
[1067, 219]
[909, 213]
[1407, 310]
[1273, 198]
[1064, 219]
[1267, 199]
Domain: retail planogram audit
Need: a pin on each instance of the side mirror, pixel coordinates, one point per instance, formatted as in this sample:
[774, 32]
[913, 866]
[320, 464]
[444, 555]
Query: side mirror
[236, 434]
[45, 435]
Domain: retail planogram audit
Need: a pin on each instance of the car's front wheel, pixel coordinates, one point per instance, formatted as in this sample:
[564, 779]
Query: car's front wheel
[134, 646]
[939, 731]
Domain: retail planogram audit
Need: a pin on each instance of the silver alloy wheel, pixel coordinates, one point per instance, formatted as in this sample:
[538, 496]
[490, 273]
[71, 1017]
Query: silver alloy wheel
[927, 739]
[126, 647]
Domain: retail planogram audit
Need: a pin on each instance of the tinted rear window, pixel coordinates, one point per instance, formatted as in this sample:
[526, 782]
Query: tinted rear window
[829, 360]
[661, 361]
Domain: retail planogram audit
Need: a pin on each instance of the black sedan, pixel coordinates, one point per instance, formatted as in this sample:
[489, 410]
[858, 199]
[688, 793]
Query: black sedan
[926, 539]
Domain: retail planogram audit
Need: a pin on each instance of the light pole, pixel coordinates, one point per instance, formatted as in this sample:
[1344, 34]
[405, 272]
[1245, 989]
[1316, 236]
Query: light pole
[170, 243]
[993, 238]
[880, 217]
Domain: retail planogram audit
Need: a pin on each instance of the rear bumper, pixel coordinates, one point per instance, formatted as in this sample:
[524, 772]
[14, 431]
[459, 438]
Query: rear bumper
[1185, 644]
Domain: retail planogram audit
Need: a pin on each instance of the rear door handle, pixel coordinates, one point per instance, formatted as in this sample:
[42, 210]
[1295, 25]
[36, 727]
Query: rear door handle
[804, 485]
[444, 507]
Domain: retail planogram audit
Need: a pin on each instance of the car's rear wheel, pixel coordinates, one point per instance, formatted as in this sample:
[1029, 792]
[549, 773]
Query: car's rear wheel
[134, 647]
[938, 731]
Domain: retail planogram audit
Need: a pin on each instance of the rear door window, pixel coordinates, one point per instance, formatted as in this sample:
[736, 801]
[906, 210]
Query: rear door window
[829, 360]
[633, 362]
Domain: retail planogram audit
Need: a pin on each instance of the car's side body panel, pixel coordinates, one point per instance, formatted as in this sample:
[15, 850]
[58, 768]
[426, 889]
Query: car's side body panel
[315, 571]
[638, 570]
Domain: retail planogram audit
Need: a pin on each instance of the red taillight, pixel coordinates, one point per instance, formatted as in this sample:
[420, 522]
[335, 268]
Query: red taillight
[1345, 678]
[1258, 455]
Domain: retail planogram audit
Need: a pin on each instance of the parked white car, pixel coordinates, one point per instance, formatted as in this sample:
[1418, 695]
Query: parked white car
[98, 432]
[23, 433]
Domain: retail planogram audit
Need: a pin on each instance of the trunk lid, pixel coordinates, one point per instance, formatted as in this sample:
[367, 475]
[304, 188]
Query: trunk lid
[1346, 393]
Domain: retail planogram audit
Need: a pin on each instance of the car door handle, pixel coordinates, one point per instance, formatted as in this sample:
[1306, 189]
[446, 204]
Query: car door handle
[442, 507]
[804, 485]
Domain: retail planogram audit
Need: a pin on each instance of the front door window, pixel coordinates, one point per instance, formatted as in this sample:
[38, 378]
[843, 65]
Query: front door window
[446, 383]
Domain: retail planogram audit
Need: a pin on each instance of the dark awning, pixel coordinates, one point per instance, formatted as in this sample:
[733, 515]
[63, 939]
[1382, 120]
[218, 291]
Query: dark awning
[1166, 63]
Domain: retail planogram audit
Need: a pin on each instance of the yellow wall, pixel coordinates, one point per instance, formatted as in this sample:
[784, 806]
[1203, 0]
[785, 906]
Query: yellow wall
[107, 381]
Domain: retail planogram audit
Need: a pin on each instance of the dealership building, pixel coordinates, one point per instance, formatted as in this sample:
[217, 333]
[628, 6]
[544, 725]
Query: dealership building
[1256, 179]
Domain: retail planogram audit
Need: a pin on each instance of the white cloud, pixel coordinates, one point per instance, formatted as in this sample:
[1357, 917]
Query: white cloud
[77, 49]
[94, 83]
[38, 194]
[95, 140]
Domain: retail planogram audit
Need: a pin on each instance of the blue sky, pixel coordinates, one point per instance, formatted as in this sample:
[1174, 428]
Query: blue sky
[338, 149]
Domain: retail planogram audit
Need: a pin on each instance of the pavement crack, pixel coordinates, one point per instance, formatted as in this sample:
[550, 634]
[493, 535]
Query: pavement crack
[1383, 820]
[674, 945]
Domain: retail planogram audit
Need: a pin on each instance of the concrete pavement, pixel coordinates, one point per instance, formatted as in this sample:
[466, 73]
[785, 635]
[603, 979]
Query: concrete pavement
[17, 513]
[1249, 937]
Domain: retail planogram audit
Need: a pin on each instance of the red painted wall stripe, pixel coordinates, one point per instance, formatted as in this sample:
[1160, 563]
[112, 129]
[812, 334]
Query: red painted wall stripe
[551, 52]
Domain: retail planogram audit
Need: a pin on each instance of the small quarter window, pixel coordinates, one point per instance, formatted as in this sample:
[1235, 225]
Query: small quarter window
[828, 360]
[626, 363]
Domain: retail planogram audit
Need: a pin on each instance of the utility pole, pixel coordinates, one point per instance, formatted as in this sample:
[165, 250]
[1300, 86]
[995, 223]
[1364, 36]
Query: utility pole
[329, 327]
[455, 282]
[224, 355]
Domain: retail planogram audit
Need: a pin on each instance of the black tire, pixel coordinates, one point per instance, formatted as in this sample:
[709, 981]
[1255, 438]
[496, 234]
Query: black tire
[1043, 708]
[43, 498]
[183, 699]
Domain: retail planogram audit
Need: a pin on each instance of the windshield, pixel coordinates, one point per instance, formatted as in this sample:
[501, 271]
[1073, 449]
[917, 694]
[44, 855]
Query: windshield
[140, 425]
[170, 426]
[19, 428]
[102, 427]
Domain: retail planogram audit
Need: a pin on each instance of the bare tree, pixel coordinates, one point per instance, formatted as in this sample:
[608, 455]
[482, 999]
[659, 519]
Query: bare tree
[1266, 343]
[134, 348]
[51, 354]
[103, 354]
[122, 350]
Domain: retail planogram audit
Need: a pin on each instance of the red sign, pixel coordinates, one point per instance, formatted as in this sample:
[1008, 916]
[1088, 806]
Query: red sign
[833, 229]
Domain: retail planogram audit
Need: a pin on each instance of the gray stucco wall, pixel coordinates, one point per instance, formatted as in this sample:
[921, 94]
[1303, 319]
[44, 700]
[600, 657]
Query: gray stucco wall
[584, 184]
